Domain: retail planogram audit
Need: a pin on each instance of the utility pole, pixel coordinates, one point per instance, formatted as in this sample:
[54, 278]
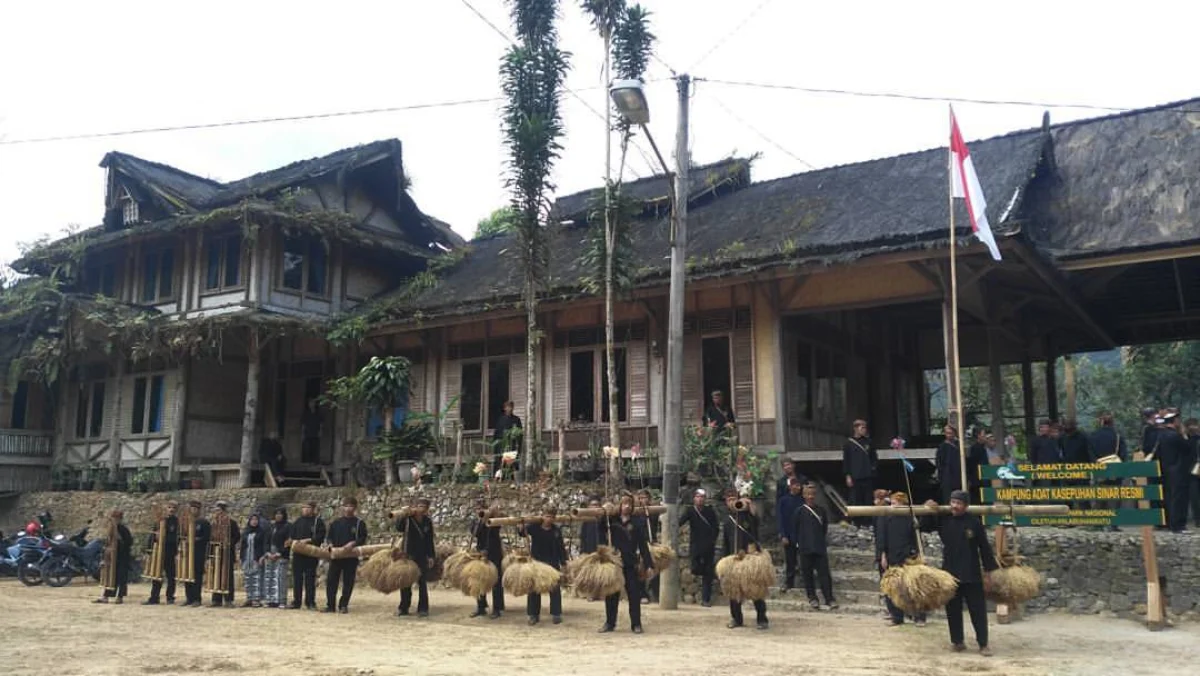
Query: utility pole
[673, 416]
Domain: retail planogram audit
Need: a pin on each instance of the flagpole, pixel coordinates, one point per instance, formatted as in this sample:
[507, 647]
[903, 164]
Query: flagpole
[953, 367]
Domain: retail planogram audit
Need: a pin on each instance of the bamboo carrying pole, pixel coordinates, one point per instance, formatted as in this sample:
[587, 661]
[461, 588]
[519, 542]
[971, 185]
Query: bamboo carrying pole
[308, 549]
[522, 520]
[921, 510]
[612, 510]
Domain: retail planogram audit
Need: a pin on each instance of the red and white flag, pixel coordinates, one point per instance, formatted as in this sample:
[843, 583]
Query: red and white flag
[964, 183]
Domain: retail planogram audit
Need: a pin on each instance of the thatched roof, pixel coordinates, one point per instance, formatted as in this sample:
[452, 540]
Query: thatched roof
[831, 215]
[652, 192]
[1121, 183]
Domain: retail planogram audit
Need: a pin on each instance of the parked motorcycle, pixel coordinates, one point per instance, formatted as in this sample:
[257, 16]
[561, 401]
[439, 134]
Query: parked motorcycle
[74, 556]
[20, 549]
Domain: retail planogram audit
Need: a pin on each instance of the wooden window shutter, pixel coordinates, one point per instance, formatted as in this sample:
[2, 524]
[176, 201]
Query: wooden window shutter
[518, 386]
[636, 357]
[559, 407]
[743, 375]
[451, 389]
[693, 380]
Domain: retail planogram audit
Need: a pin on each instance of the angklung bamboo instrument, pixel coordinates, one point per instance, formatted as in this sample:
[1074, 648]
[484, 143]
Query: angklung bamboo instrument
[185, 558]
[217, 569]
[108, 564]
[612, 510]
[155, 559]
[521, 520]
[921, 510]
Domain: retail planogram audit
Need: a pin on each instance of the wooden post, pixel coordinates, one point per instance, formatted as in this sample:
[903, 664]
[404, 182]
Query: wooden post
[250, 410]
[1003, 615]
[114, 439]
[179, 425]
[1051, 385]
[995, 387]
[562, 449]
[458, 442]
[1156, 617]
[1069, 384]
[1027, 400]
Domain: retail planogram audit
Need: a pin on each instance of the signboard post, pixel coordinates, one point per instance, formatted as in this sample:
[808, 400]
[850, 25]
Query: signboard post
[1086, 482]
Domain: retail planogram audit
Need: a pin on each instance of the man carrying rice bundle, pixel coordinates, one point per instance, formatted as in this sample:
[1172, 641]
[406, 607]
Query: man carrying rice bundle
[897, 543]
[965, 552]
[546, 545]
[629, 538]
[488, 541]
[418, 546]
[642, 502]
[701, 520]
[741, 530]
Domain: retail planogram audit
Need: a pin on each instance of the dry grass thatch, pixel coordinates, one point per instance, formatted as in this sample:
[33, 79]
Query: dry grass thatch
[598, 574]
[918, 588]
[452, 567]
[476, 575]
[370, 571]
[512, 555]
[746, 576]
[399, 574]
[441, 553]
[663, 556]
[1014, 585]
[524, 575]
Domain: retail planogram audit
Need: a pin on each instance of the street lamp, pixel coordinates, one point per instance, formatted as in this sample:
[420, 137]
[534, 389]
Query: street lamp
[630, 100]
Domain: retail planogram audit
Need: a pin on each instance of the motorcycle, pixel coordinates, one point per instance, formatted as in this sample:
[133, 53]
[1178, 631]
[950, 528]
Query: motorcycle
[70, 557]
[18, 550]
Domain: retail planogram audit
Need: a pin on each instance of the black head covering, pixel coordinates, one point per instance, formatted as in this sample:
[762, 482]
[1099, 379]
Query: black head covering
[961, 495]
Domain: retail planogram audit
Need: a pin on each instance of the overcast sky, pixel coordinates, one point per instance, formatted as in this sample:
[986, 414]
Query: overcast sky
[82, 67]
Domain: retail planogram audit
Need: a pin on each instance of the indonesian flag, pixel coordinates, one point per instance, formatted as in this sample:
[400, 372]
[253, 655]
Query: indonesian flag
[964, 183]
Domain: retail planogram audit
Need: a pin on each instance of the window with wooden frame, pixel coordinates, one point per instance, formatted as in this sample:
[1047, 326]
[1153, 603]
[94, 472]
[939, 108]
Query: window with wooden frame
[18, 417]
[149, 396]
[587, 379]
[821, 389]
[304, 265]
[223, 262]
[101, 280]
[484, 387]
[89, 410]
[158, 276]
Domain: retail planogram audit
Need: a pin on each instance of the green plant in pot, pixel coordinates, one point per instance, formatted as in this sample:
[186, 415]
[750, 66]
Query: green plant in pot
[382, 384]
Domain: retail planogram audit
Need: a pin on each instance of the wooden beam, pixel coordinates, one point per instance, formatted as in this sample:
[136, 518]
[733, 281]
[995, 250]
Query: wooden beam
[1179, 288]
[1053, 279]
[1130, 258]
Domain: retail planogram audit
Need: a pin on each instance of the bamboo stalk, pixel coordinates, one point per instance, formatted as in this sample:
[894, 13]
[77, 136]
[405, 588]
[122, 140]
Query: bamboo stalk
[613, 510]
[308, 549]
[522, 520]
[921, 510]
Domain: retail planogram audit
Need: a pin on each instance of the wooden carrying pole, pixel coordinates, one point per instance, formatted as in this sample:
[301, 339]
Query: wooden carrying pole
[921, 510]
[952, 369]
[522, 520]
[613, 510]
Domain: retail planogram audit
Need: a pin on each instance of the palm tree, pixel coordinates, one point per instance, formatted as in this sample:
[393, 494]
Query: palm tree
[379, 385]
[532, 74]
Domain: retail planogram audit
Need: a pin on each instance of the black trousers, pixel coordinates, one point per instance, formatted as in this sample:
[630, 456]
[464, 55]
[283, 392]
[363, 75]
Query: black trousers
[650, 588]
[310, 450]
[789, 555]
[422, 596]
[340, 571]
[122, 575]
[534, 603]
[760, 612]
[1177, 496]
[817, 564]
[970, 593]
[169, 576]
[612, 603]
[304, 581]
[192, 589]
[898, 615]
[497, 593]
[703, 567]
[862, 493]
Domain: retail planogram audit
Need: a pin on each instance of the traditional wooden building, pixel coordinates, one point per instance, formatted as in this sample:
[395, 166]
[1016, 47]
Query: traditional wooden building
[812, 299]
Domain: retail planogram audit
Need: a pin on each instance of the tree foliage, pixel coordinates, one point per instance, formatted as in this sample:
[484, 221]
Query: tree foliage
[499, 222]
[632, 43]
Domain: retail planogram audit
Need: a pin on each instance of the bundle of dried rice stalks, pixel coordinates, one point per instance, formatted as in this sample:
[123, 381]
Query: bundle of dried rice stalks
[663, 557]
[476, 575]
[512, 555]
[598, 574]
[440, 554]
[918, 588]
[746, 576]
[452, 567]
[523, 576]
[399, 574]
[370, 571]
[1014, 585]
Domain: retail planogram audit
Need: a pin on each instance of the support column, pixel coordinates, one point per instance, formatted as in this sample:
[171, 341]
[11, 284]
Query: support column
[1069, 384]
[995, 386]
[777, 346]
[179, 425]
[951, 374]
[1027, 399]
[1051, 386]
[250, 411]
[114, 439]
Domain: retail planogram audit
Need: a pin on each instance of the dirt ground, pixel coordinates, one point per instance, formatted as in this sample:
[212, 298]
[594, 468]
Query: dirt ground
[58, 631]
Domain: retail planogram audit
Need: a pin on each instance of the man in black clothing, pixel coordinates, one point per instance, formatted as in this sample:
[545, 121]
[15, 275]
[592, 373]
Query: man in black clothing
[642, 504]
[628, 537]
[785, 512]
[1175, 458]
[718, 415]
[897, 544]
[859, 462]
[345, 533]
[810, 528]
[949, 464]
[965, 551]
[310, 434]
[203, 530]
[1149, 431]
[502, 441]
[487, 540]
[789, 473]
[308, 527]
[1044, 449]
[270, 452]
[1105, 442]
[234, 538]
[546, 545]
[123, 545]
[589, 532]
[1076, 447]
[170, 548]
[1192, 427]
[701, 519]
[740, 531]
[418, 544]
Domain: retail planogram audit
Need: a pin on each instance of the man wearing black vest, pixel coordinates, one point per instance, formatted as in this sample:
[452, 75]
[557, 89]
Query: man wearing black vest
[309, 527]
[859, 461]
[965, 552]
[701, 520]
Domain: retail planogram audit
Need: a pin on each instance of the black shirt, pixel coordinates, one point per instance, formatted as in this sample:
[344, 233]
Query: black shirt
[418, 538]
[347, 529]
[718, 417]
[124, 542]
[589, 537]
[546, 544]
[1174, 453]
[203, 535]
[810, 524]
[280, 532]
[965, 546]
[949, 464]
[740, 530]
[1149, 439]
[1106, 441]
[859, 458]
[1076, 448]
[629, 538]
[899, 538]
[504, 423]
[1044, 451]
[308, 528]
[650, 522]
[704, 528]
[170, 536]
[488, 540]
[260, 543]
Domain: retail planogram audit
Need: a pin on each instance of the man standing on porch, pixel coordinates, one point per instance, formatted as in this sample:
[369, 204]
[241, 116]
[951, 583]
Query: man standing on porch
[859, 462]
[310, 434]
[501, 440]
[718, 415]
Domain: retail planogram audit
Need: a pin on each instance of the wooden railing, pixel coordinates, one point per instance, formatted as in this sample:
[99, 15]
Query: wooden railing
[36, 443]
